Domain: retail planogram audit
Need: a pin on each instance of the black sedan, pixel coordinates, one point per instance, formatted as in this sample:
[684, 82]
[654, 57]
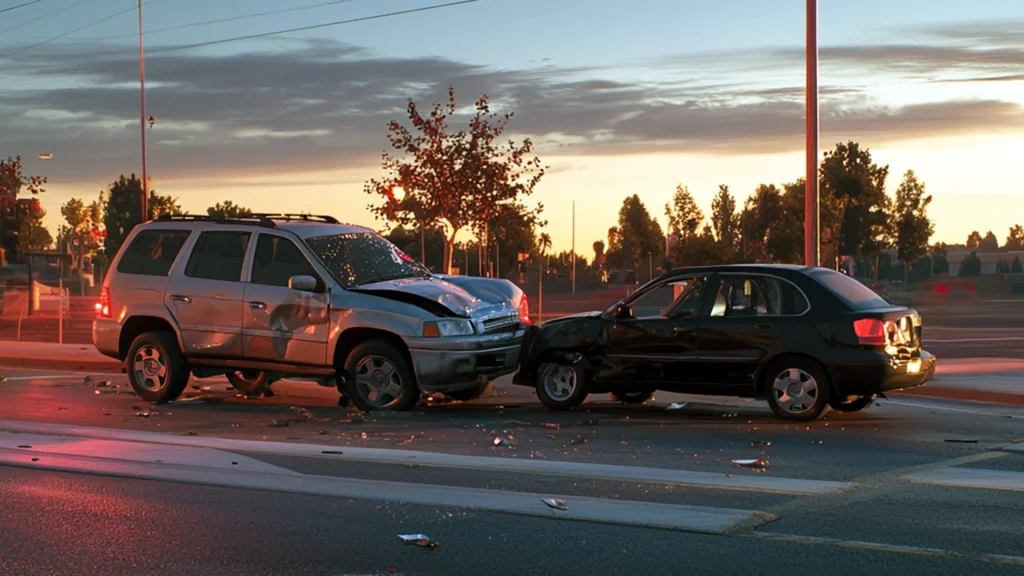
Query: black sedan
[803, 338]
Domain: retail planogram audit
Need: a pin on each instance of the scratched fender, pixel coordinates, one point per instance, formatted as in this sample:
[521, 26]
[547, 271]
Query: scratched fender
[579, 337]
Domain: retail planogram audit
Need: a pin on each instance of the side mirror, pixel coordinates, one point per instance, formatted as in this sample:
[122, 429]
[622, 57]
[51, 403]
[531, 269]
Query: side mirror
[302, 283]
[624, 312]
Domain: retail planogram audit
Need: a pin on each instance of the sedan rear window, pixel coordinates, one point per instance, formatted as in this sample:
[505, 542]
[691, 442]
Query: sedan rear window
[850, 290]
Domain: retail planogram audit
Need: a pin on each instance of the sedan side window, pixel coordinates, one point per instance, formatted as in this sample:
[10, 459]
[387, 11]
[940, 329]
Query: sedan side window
[674, 299]
[218, 256]
[744, 296]
[277, 260]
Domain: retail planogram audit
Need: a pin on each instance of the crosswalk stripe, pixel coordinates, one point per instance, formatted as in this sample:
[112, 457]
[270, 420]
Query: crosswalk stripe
[971, 478]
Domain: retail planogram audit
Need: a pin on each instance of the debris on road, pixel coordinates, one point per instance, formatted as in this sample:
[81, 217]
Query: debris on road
[302, 412]
[556, 503]
[959, 441]
[142, 414]
[421, 540]
[755, 464]
[498, 441]
[552, 425]
[3, 379]
[760, 443]
[676, 406]
[278, 423]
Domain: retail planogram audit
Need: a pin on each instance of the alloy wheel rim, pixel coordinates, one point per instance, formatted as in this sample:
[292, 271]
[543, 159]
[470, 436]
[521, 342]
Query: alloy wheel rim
[150, 368]
[559, 381]
[795, 390]
[378, 381]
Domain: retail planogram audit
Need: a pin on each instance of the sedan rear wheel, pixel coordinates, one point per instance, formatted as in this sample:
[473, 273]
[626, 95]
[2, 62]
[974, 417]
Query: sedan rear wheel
[560, 386]
[797, 389]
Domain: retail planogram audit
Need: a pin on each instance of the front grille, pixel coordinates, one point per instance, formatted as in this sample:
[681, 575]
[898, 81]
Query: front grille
[501, 324]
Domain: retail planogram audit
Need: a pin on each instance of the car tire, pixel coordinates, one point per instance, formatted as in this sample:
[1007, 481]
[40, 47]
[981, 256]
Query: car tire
[249, 382]
[157, 369]
[560, 386]
[379, 378]
[854, 405]
[470, 394]
[804, 376]
[633, 396]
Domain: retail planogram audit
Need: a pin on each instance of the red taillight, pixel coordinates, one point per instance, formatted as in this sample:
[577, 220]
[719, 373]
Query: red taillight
[524, 311]
[103, 306]
[870, 331]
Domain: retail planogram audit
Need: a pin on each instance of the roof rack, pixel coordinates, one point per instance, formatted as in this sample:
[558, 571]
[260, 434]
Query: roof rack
[254, 220]
[301, 217]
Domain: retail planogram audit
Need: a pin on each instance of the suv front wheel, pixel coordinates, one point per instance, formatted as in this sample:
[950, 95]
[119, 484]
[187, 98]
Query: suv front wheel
[157, 370]
[378, 378]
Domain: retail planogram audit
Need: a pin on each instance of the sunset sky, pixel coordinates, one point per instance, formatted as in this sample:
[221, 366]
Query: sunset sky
[620, 98]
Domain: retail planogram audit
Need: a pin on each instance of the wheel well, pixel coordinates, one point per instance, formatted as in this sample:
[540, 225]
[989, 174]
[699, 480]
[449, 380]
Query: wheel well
[137, 325]
[762, 377]
[353, 337]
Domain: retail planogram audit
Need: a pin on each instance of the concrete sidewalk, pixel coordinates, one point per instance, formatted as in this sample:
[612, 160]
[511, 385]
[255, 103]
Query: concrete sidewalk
[999, 380]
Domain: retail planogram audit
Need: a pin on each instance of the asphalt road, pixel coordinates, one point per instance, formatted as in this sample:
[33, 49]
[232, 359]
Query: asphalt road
[894, 516]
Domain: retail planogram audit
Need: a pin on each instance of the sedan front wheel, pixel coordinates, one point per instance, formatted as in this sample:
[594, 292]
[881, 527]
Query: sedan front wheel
[560, 386]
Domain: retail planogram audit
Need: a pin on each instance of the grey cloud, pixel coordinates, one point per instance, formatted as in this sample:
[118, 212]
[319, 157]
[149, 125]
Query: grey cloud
[325, 105]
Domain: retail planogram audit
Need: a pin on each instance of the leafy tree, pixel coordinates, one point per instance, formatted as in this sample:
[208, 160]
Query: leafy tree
[989, 243]
[544, 245]
[853, 198]
[598, 254]
[684, 223]
[785, 241]
[513, 229]
[13, 183]
[1015, 240]
[973, 240]
[913, 228]
[84, 223]
[725, 220]
[409, 239]
[1002, 267]
[122, 206]
[32, 234]
[970, 265]
[637, 235]
[940, 262]
[228, 209]
[1016, 268]
[456, 180]
[705, 249]
[761, 213]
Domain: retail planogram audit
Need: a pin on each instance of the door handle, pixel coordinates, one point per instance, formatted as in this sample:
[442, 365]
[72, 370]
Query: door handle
[763, 326]
[182, 299]
[257, 305]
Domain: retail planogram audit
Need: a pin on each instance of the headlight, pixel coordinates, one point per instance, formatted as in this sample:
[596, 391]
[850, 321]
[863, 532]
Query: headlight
[444, 328]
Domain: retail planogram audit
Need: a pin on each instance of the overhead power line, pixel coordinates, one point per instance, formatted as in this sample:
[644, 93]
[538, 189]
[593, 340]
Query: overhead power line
[20, 6]
[79, 29]
[47, 15]
[232, 19]
[311, 27]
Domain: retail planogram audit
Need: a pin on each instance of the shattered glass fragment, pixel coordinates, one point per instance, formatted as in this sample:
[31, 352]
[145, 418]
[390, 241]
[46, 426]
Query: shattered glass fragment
[556, 503]
[759, 443]
[676, 406]
[421, 540]
[756, 464]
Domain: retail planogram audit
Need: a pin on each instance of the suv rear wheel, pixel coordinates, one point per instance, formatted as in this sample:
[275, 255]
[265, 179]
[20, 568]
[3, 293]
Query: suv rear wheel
[157, 369]
[249, 382]
[379, 378]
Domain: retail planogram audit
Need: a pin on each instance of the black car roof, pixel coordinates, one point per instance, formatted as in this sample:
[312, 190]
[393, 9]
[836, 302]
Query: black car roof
[743, 268]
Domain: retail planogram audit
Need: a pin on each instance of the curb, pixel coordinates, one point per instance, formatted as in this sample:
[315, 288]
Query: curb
[963, 394]
[62, 364]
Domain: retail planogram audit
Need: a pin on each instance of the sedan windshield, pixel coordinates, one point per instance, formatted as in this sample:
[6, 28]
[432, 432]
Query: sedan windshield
[362, 258]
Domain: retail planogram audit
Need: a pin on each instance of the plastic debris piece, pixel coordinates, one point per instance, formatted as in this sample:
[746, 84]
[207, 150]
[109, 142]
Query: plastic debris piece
[278, 423]
[552, 436]
[753, 464]
[497, 441]
[676, 406]
[556, 503]
[142, 414]
[759, 443]
[363, 435]
[302, 412]
[421, 540]
[95, 391]
[552, 425]
[3, 379]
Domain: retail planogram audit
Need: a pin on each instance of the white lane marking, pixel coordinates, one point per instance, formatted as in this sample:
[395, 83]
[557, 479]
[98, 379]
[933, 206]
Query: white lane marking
[968, 340]
[946, 408]
[136, 452]
[884, 547]
[719, 481]
[47, 377]
[971, 478]
[1013, 447]
[607, 511]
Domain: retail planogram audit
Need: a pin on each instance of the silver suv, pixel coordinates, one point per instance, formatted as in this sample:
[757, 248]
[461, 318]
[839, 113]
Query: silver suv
[299, 296]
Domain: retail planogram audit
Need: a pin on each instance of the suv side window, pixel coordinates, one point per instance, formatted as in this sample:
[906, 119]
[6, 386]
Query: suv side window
[152, 252]
[218, 256]
[277, 259]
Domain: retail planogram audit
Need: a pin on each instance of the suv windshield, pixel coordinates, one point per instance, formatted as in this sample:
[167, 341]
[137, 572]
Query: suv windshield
[356, 259]
[850, 290]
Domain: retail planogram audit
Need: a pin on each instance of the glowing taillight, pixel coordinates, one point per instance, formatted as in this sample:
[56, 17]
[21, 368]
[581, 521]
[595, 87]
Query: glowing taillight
[103, 306]
[524, 311]
[870, 332]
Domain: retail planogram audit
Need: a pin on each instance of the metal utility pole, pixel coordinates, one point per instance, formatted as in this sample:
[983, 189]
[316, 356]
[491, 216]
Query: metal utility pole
[142, 121]
[423, 245]
[573, 246]
[812, 247]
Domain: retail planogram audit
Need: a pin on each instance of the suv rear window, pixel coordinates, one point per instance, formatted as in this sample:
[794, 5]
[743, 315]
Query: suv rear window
[152, 252]
[850, 290]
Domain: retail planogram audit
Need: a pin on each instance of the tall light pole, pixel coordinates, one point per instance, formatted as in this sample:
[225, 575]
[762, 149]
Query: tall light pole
[142, 120]
[573, 246]
[812, 247]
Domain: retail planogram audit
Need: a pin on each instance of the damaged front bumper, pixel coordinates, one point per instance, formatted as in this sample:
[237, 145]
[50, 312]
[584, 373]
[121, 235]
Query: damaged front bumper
[449, 364]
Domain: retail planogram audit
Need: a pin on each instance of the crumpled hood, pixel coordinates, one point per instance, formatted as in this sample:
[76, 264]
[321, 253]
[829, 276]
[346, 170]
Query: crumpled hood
[452, 297]
[577, 316]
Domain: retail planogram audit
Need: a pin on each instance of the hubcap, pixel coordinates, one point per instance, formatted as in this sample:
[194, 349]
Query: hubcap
[379, 381]
[795, 391]
[559, 381]
[150, 368]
